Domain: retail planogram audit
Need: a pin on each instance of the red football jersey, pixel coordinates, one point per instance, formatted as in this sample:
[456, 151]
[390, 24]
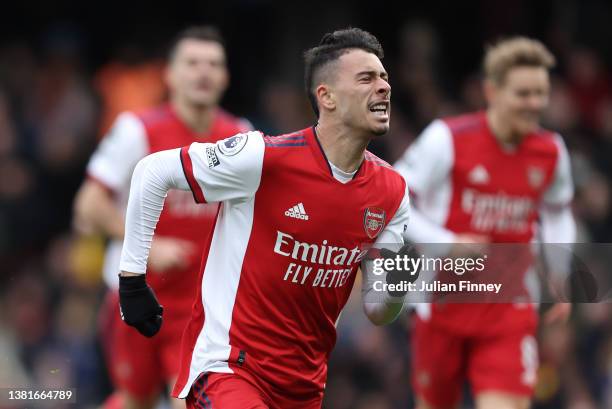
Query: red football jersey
[133, 137]
[466, 181]
[282, 260]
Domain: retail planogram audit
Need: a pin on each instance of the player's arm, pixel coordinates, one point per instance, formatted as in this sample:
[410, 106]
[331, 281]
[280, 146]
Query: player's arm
[426, 166]
[227, 171]
[108, 171]
[96, 212]
[382, 307]
[556, 218]
[557, 226]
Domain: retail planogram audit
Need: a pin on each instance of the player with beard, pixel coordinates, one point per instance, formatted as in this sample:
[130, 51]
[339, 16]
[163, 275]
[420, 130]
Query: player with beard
[297, 213]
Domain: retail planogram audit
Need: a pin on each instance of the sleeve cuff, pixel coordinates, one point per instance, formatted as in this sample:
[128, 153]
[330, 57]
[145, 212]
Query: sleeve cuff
[131, 268]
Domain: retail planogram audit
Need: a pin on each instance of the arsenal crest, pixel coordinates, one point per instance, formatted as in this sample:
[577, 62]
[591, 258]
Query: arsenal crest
[373, 221]
[535, 176]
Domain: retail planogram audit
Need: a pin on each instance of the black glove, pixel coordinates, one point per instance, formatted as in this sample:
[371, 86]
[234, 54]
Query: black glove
[396, 276]
[138, 305]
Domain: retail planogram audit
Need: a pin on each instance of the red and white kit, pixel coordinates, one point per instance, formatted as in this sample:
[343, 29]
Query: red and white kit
[281, 262]
[465, 181]
[133, 137]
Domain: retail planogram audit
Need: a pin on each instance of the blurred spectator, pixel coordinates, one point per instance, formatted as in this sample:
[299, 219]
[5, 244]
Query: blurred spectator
[61, 110]
[589, 84]
[131, 81]
[284, 106]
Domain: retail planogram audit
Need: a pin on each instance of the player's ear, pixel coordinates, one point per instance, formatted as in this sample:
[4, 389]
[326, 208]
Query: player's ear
[326, 98]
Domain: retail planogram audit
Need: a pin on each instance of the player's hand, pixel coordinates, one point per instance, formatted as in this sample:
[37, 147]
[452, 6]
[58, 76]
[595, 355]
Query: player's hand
[396, 276]
[138, 305]
[558, 313]
[469, 246]
[169, 253]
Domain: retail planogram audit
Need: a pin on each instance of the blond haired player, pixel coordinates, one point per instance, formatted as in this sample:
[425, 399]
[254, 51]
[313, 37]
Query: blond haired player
[488, 177]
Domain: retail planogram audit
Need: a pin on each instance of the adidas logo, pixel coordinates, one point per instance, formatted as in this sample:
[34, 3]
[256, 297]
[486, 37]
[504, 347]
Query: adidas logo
[297, 212]
[479, 175]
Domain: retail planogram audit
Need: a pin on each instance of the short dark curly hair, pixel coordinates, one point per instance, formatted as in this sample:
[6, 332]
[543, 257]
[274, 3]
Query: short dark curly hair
[201, 33]
[332, 46]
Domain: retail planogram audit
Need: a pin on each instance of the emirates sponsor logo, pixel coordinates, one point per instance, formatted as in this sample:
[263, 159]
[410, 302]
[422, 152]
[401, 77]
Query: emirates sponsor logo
[497, 212]
[319, 265]
[319, 253]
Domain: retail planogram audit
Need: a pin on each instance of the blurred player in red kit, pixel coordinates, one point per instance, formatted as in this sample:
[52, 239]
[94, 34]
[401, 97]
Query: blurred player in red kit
[488, 177]
[296, 211]
[197, 77]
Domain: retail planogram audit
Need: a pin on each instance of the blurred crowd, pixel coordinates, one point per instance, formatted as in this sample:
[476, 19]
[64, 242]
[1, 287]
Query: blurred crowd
[53, 111]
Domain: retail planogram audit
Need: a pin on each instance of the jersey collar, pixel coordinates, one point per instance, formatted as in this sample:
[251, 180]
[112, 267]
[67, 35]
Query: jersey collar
[320, 157]
[197, 136]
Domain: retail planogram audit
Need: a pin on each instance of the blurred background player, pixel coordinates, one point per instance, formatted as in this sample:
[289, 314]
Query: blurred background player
[197, 77]
[469, 175]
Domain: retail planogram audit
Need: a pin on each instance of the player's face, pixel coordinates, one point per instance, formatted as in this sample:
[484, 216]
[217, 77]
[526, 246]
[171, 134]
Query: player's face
[197, 73]
[362, 92]
[521, 99]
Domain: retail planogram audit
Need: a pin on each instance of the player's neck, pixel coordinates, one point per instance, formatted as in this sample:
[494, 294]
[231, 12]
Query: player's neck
[341, 146]
[502, 132]
[197, 118]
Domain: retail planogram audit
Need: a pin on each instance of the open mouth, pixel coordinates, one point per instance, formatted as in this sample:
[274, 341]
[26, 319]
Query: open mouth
[203, 85]
[380, 108]
[531, 115]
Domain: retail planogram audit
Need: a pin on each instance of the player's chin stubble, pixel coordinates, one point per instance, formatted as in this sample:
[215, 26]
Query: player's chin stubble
[380, 130]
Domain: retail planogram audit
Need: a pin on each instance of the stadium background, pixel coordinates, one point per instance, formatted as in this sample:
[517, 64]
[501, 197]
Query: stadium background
[67, 68]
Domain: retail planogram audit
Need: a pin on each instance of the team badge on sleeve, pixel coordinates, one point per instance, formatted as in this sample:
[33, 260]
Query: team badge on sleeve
[373, 221]
[231, 146]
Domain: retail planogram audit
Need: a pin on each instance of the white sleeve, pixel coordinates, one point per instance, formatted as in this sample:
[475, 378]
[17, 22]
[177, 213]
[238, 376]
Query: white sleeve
[393, 232]
[423, 230]
[152, 178]
[113, 161]
[427, 162]
[558, 233]
[426, 166]
[228, 170]
[561, 190]
[557, 225]
[232, 174]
